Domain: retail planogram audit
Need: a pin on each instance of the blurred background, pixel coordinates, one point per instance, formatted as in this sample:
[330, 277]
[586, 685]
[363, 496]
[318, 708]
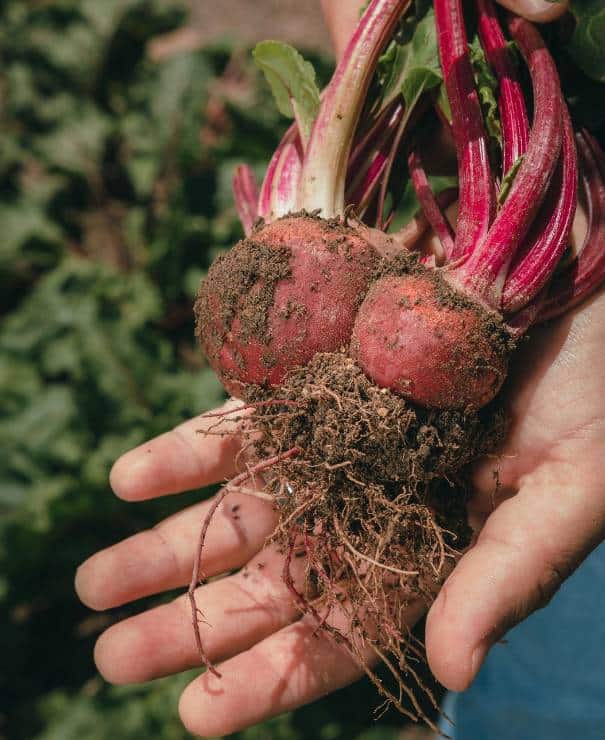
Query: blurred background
[120, 124]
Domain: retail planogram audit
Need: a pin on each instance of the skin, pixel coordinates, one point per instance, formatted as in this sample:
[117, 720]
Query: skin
[547, 514]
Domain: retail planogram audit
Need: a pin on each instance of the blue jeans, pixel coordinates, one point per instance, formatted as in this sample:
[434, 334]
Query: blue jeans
[548, 681]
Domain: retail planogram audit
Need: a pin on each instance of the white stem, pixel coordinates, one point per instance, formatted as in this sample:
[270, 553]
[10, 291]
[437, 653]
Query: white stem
[322, 184]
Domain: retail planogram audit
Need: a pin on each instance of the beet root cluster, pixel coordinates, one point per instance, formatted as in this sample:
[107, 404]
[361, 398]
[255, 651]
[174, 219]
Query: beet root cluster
[307, 324]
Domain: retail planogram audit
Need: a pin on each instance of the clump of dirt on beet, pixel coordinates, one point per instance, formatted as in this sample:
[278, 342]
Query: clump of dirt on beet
[375, 497]
[289, 290]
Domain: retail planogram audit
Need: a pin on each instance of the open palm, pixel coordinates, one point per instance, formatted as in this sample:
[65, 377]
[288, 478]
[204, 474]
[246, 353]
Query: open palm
[542, 519]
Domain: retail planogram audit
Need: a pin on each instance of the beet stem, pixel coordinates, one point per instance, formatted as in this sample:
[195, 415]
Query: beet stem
[368, 140]
[430, 206]
[278, 192]
[484, 272]
[584, 275]
[365, 174]
[245, 194]
[477, 189]
[414, 111]
[534, 265]
[511, 102]
[324, 169]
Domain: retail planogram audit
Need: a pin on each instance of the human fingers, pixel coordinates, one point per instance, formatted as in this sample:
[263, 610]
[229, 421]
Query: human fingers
[528, 546]
[238, 611]
[294, 666]
[539, 11]
[181, 459]
[341, 19]
[161, 558]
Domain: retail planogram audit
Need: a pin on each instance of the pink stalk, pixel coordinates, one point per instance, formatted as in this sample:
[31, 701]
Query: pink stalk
[534, 265]
[245, 195]
[408, 119]
[290, 149]
[285, 184]
[430, 206]
[518, 323]
[322, 184]
[511, 102]
[366, 179]
[477, 191]
[484, 272]
[368, 140]
[361, 197]
[587, 271]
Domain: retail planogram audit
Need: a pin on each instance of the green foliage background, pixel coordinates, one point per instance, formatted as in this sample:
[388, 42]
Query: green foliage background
[115, 196]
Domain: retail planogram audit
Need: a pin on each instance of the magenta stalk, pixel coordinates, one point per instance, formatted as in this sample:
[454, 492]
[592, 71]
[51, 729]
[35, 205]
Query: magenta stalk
[483, 274]
[278, 192]
[322, 185]
[583, 275]
[511, 103]
[548, 238]
[476, 183]
[430, 206]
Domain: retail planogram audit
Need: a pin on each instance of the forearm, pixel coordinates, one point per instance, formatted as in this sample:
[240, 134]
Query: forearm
[341, 17]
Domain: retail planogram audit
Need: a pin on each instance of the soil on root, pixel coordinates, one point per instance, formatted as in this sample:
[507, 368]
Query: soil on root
[373, 490]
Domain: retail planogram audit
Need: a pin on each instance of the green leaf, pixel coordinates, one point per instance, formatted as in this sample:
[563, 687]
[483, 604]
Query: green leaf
[508, 179]
[587, 45]
[23, 223]
[413, 67]
[292, 81]
[487, 86]
[78, 144]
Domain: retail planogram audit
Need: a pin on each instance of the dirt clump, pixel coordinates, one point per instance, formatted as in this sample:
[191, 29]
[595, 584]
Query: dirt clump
[373, 490]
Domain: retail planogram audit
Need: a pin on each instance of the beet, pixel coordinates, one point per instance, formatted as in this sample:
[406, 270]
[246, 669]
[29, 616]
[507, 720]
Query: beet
[279, 297]
[417, 337]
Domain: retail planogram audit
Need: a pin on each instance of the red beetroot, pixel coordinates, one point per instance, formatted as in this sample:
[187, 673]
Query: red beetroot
[416, 338]
[278, 298]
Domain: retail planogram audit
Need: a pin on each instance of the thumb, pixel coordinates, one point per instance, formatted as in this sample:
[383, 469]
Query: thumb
[540, 11]
[529, 545]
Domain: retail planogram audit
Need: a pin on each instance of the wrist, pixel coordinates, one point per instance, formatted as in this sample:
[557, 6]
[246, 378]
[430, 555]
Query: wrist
[341, 17]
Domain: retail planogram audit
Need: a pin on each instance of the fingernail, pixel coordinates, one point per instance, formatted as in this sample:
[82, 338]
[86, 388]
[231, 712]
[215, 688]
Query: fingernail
[127, 476]
[477, 658]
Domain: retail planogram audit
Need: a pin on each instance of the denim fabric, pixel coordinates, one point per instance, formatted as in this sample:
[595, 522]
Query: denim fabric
[548, 681]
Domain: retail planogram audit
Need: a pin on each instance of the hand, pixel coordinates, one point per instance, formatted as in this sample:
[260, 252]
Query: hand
[272, 663]
[547, 515]
[549, 511]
